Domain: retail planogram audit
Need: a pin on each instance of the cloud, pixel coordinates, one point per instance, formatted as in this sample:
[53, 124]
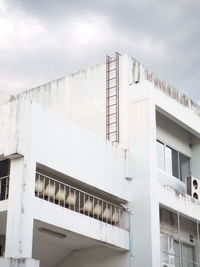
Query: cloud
[43, 40]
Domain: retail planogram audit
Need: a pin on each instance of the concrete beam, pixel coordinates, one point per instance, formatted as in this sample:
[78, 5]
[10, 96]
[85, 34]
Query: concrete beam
[21, 262]
[19, 232]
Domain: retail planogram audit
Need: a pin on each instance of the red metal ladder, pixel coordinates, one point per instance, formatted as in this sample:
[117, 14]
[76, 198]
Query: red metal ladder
[112, 98]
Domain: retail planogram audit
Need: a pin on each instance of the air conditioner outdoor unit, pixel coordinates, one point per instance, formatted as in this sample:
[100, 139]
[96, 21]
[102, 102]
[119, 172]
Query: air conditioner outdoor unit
[193, 187]
[164, 264]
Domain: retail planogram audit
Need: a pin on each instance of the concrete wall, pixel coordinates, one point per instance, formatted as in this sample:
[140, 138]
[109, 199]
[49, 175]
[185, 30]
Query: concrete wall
[88, 227]
[142, 169]
[8, 126]
[37, 124]
[195, 166]
[181, 202]
[180, 114]
[68, 148]
[173, 135]
[99, 257]
[79, 97]
[10, 262]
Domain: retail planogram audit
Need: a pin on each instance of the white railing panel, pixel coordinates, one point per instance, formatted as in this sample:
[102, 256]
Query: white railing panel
[80, 201]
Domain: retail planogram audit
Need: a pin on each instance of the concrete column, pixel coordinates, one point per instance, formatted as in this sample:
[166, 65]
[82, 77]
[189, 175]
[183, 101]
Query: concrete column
[19, 232]
[143, 189]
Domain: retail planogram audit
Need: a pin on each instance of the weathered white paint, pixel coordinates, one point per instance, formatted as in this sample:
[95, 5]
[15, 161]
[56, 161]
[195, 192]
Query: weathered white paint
[195, 166]
[173, 135]
[19, 215]
[178, 201]
[8, 126]
[23, 262]
[89, 227]
[99, 257]
[167, 179]
[142, 166]
[63, 145]
[62, 126]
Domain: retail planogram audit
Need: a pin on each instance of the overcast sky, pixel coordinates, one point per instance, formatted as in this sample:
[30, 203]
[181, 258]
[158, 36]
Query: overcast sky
[41, 40]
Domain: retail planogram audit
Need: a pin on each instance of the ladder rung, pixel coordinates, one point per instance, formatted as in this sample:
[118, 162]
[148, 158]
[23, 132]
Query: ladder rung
[112, 132]
[112, 61]
[111, 70]
[112, 87]
[111, 96]
[112, 105]
[111, 79]
[111, 123]
[111, 114]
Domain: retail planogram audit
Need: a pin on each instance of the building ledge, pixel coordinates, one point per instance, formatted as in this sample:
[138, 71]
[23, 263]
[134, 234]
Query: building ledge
[78, 223]
[179, 201]
[167, 179]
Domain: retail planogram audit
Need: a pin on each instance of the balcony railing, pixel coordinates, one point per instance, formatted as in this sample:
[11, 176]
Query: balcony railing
[77, 200]
[4, 187]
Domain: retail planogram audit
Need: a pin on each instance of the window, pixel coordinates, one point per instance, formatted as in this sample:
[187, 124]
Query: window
[170, 252]
[179, 240]
[4, 168]
[160, 155]
[172, 161]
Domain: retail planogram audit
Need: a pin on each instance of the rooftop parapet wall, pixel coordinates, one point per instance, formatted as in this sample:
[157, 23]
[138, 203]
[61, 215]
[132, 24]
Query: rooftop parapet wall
[140, 72]
[8, 127]
[81, 90]
[79, 97]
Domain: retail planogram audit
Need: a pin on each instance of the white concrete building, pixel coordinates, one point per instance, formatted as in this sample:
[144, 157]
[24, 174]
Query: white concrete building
[69, 197]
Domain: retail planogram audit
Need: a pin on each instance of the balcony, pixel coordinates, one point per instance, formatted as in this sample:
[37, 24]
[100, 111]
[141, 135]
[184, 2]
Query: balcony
[4, 187]
[69, 197]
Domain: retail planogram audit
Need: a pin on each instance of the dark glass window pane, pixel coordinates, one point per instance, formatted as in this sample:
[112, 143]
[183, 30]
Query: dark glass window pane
[160, 155]
[184, 167]
[188, 255]
[175, 163]
[4, 168]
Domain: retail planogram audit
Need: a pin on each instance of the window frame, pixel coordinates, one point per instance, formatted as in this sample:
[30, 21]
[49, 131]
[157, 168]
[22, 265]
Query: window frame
[179, 166]
[162, 143]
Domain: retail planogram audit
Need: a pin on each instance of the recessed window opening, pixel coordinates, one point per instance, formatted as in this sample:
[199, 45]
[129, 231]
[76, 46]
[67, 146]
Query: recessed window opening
[172, 161]
[4, 179]
[4, 168]
[179, 240]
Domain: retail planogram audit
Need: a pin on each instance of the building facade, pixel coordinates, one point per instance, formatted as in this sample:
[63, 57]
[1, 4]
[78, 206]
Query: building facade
[100, 168]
